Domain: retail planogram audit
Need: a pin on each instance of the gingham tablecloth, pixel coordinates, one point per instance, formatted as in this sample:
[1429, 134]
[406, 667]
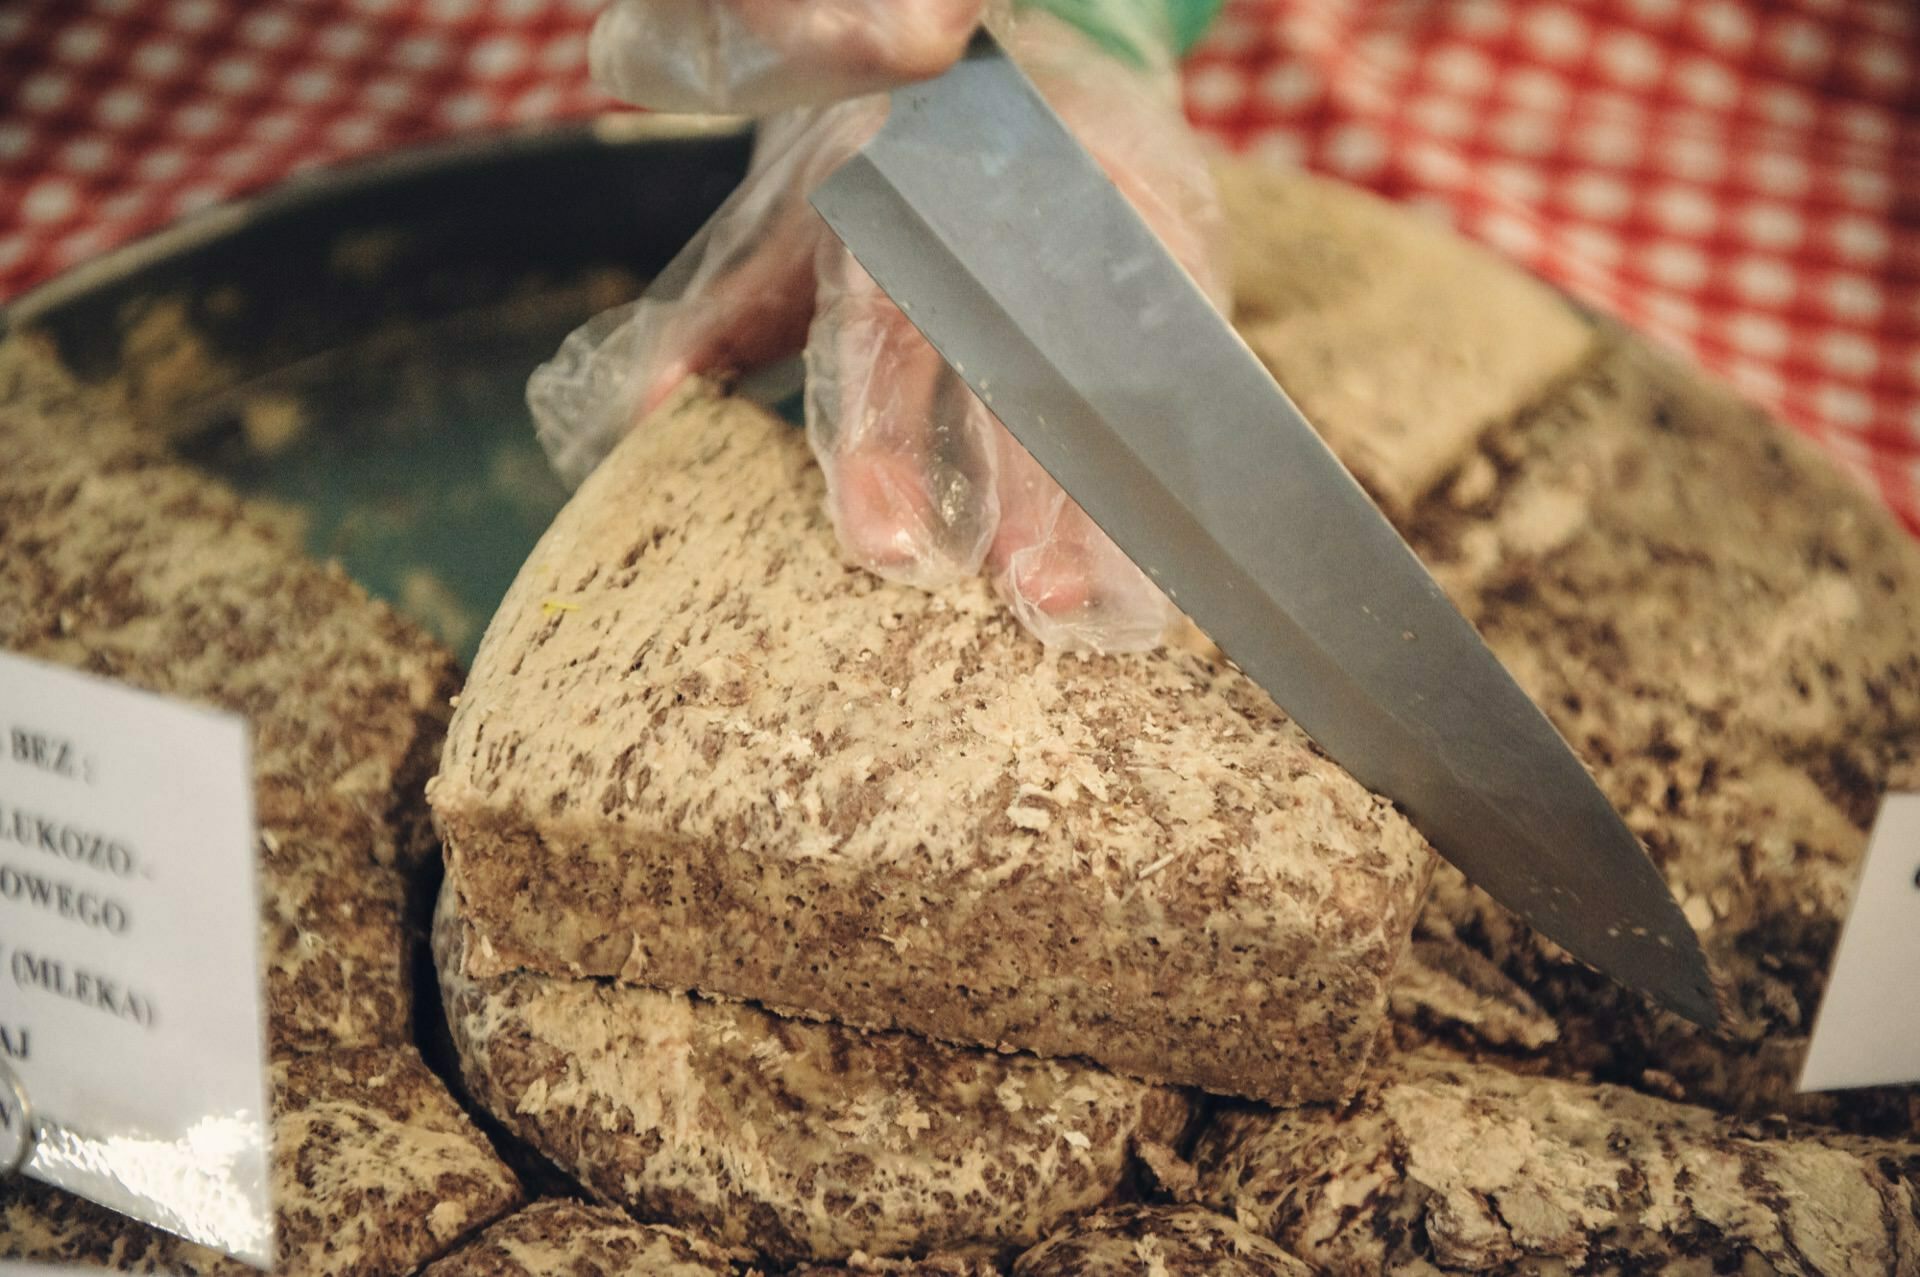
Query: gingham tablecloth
[1741, 180]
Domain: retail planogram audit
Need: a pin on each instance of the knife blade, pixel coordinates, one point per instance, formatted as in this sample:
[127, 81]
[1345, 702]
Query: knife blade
[1001, 239]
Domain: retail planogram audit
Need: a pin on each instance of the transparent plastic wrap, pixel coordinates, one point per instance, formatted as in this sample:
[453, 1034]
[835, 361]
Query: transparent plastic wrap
[739, 294]
[755, 57]
[924, 485]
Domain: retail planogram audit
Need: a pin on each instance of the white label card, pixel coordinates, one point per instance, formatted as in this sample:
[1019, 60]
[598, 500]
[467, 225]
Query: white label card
[1868, 1029]
[130, 1008]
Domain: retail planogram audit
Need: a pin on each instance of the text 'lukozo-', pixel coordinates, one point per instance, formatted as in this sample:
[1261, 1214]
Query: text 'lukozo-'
[71, 843]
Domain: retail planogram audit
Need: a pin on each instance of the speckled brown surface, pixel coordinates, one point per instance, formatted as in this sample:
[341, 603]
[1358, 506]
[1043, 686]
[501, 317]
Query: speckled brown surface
[559, 1238]
[116, 561]
[930, 1266]
[1649, 534]
[337, 944]
[375, 1171]
[1726, 629]
[1401, 341]
[1717, 622]
[1445, 1165]
[43, 1225]
[1729, 634]
[697, 750]
[802, 1140]
[1157, 1241]
[1450, 993]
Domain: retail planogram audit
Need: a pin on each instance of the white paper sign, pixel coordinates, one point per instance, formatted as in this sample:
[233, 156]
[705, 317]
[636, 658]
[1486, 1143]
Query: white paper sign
[130, 1005]
[1868, 1029]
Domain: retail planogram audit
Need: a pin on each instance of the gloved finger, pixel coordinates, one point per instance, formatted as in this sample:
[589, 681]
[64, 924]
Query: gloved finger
[760, 56]
[924, 485]
[1064, 580]
[905, 447]
[740, 294]
[1060, 574]
[752, 309]
[750, 297]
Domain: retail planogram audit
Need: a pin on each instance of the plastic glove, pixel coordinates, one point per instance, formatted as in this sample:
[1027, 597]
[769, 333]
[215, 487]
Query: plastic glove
[924, 485]
[760, 56]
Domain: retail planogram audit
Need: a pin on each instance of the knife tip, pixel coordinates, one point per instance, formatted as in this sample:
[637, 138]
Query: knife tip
[1704, 997]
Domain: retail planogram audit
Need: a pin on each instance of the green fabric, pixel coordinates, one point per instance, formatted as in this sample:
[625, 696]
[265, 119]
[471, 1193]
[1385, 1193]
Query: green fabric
[1191, 18]
[1132, 28]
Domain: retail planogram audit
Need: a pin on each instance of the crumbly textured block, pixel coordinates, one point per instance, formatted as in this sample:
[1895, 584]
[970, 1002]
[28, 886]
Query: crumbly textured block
[1444, 1165]
[1447, 992]
[375, 1171]
[558, 1238]
[1646, 535]
[337, 946]
[1726, 629]
[931, 1266]
[1729, 635]
[44, 1225]
[699, 751]
[119, 562]
[375, 1168]
[124, 563]
[1401, 341]
[1165, 1241]
[799, 1140]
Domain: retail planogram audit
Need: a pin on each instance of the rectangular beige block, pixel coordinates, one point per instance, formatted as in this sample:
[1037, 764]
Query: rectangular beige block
[1725, 627]
[699, 751]
[1728, 632]
[560, 1238]
[1402, 342]
[1445, 1166]
[1157, 1241]
[793, 1140]
[375, 1171]
[120, 562]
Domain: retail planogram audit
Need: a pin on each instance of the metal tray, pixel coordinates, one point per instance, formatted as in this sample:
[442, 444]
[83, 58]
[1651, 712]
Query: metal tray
[351, 349]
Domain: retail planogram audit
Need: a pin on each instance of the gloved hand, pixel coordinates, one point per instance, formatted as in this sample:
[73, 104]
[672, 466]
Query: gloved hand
[924, 485]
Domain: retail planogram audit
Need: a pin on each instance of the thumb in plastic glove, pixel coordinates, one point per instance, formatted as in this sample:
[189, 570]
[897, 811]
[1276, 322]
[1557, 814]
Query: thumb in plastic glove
[924, 484]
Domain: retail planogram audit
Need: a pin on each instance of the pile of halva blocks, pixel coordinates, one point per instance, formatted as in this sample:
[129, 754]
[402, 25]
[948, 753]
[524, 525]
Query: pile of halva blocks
[792, 920]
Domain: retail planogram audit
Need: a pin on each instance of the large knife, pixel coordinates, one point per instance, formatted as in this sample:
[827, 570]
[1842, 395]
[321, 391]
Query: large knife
[1005, 244]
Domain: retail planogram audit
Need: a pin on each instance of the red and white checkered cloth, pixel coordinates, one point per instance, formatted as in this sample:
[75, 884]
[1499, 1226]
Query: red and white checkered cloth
[1739, 179]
